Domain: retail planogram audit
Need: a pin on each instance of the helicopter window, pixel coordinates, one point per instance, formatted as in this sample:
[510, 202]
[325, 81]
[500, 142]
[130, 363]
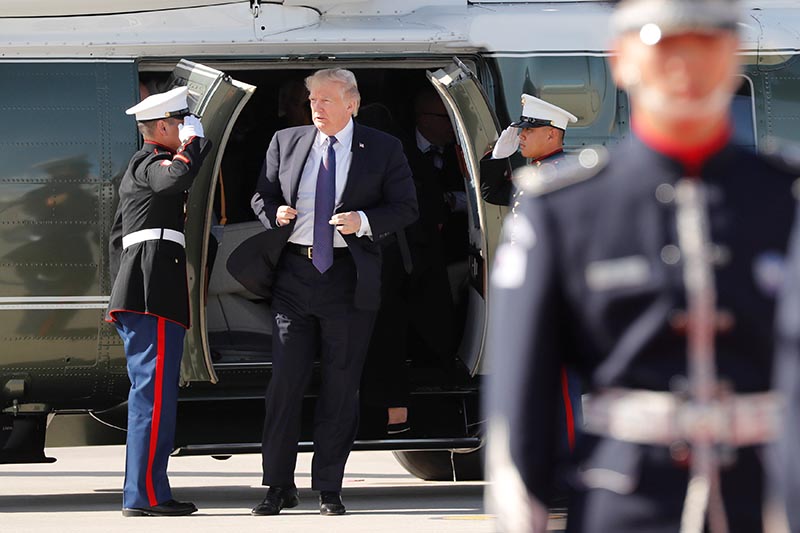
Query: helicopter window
[743, 114]
[581, 85]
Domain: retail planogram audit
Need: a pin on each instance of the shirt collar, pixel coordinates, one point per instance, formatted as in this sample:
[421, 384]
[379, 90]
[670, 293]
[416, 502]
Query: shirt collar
[424, 144]
[546, 156]
[152, 145]
[343, 137]
[691, 157]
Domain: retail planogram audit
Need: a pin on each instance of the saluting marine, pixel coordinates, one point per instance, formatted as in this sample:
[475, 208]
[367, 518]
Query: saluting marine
[149, 302]
[653, 272]
[537, 135]
[787, 376]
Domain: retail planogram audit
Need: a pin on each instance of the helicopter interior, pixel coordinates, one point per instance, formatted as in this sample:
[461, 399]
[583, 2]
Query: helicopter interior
[238, 321]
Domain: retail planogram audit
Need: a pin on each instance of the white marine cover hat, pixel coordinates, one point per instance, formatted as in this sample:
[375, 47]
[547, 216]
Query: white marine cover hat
[676, 16]
[172, 103]
[537, 113]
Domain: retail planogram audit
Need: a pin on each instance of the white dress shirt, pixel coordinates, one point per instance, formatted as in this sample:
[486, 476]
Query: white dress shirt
[303, 232]
[457, 200]
[426, 146]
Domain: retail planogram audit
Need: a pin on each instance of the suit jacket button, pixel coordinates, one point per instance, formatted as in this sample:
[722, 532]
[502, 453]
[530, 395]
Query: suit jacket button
[720, 255]
[176, 261]
[665, 193]
[725, 321]
[680, 453]
[679, 321]
[671, 254]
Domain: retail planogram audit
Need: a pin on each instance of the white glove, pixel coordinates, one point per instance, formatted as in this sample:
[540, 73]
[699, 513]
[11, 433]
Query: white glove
[508, 143]
[191, 127]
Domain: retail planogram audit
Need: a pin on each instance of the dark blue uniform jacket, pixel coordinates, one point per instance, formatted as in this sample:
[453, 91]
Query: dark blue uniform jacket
[598, 284]
[150, 277]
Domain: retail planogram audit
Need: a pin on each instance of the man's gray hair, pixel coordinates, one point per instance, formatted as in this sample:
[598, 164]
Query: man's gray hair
[338, 75]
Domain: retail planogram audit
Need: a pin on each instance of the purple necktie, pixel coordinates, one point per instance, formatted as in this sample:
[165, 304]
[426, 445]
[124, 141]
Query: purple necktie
[324, 199]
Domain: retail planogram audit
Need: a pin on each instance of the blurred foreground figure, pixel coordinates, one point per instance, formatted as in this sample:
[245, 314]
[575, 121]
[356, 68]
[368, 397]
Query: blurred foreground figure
[653, 272]
[787, 380]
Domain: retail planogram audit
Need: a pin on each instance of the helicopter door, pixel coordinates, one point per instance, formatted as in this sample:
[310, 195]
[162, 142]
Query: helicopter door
[217, 99]
[477, 129]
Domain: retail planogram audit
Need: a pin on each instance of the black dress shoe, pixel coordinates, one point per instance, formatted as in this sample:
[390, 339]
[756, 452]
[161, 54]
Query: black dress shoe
[277, 498]
[168, 508]
[330, 503]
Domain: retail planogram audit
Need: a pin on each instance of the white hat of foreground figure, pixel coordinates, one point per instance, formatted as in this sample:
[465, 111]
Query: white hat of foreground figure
[654, 19]
[172, 103]
[537, 113]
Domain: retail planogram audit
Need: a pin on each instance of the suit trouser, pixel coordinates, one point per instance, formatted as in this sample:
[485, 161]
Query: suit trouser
[433, 322]
[385, 381]
[314, 313]
[153, 348]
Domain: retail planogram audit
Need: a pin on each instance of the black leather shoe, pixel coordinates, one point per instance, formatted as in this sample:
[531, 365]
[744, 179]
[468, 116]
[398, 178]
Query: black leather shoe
[168, 508]
[277, 498]
[330, 503]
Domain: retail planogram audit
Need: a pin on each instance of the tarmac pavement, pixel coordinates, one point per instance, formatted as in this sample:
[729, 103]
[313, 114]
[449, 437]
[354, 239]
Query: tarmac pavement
[82, 493]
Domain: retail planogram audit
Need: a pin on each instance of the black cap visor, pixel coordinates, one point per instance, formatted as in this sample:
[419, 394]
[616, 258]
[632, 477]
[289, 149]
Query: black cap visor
[528, 122]
[181, 113]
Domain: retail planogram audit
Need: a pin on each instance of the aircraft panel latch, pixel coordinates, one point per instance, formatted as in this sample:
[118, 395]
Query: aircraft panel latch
[255, 8]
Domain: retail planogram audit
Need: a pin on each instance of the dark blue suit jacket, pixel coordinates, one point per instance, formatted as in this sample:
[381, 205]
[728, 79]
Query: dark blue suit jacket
[379, 183]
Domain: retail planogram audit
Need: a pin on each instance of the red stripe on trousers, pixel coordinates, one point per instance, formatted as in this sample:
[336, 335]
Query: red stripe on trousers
[151, 493]
[568, 409]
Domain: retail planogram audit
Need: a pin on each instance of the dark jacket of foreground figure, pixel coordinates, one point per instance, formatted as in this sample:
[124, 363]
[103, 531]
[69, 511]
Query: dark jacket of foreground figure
[602, 290]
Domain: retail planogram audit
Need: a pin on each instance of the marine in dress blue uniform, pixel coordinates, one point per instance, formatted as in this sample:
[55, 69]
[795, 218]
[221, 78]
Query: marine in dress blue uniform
[539, 136]
[787, 375]
[594, 271]
[149, 302]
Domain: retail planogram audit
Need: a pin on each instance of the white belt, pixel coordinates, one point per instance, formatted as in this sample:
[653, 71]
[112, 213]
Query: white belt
[663, 418]
[153, 234]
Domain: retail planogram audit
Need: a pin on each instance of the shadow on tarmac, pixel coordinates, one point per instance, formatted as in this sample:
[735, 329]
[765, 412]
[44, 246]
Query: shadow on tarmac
[254, 475]
[437, 499]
